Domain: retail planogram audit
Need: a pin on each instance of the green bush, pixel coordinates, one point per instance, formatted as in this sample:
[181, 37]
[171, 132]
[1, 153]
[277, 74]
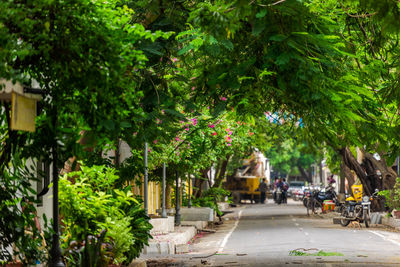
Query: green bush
[17, 216]
[392, 196]
[89, 203]
[210, 198]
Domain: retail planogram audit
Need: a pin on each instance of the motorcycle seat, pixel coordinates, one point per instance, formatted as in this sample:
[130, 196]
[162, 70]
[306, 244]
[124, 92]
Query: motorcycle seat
[352, 203]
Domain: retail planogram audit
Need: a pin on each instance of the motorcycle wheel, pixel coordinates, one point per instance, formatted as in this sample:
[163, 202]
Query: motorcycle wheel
[366, 219]
[279, 199]
[309, 206]
[344, 222]
[305, 202]
[343, 213]
[317, 206]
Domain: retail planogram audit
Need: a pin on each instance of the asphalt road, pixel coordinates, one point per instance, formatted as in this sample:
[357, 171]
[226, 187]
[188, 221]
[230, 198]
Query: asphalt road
[265, 234]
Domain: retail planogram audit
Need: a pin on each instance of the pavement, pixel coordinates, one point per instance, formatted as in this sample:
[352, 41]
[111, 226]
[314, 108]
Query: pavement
[269, 234]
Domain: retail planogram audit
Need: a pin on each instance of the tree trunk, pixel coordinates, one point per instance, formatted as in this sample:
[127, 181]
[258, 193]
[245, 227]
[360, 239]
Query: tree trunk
[388, 176]
[348, 175]
[198, 183]
[350, 161]
[304, 174]
[367, 173]
[342, 188]
[320, 173]
[222, 172]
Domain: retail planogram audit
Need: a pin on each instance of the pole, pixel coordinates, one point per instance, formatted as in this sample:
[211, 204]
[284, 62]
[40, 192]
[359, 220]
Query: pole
[177, 206]
[146, 178]
[163, 212]
[55, 252]
[190, 199]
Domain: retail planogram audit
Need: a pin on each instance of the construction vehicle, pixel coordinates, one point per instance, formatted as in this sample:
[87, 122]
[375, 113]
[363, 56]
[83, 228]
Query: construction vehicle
[244, 184]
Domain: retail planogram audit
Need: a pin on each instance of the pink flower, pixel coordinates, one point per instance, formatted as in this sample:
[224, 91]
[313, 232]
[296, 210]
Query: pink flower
[211, 125]
[162, 111]
[228, 144]
[193, 88]
[228, 139]
[194, 121]
[155, 141]
[149, 149]
[187, 129]
[177, 153]
[177, 139]
[174, 59]
[214, 133]
[158, 121]
[223, 98]
[230, 132]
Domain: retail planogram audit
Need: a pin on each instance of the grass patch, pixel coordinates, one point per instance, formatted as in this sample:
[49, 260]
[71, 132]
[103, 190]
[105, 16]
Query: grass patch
[319, 253]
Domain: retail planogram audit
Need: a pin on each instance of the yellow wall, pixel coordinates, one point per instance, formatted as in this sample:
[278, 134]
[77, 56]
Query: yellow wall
[155, 194]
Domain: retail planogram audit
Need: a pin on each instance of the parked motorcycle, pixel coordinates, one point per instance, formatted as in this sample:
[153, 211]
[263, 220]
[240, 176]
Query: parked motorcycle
[357, 207]
[279, 195]
[316, 198]
[306, 196]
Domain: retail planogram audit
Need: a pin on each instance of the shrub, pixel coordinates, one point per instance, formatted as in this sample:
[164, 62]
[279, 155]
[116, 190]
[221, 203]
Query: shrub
[392, 196]
[17, 216]
[89, 203]
[210, 198]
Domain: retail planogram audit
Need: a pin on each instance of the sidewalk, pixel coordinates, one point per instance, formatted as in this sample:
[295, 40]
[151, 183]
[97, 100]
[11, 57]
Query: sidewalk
[186, 245]
[170, 243]
[170, 240]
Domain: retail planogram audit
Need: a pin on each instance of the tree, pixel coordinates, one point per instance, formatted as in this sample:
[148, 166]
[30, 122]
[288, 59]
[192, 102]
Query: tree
[83, 56]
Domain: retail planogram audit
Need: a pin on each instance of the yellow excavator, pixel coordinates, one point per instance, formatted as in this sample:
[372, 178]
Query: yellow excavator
[244, 184]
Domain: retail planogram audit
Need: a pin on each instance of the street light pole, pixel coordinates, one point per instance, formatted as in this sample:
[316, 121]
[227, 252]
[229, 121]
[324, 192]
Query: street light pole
[55, 252]
[146, 178]
[190, 198]
[163, 212]
[177, 206]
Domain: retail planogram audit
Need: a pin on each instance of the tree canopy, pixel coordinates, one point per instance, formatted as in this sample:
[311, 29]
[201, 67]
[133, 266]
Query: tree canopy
[200, 81]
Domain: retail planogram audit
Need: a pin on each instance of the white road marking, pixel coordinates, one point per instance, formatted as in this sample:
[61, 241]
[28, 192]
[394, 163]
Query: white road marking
[385, 238]
[296, 224]
[221, 247]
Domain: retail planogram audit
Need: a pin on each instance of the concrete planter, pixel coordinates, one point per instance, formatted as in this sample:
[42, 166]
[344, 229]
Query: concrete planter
[197, 214]
[396, 214]
[162, 225]
[172, 243]
[392, 222]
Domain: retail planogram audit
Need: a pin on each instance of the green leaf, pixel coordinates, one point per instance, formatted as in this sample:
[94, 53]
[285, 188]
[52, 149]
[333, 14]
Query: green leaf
[261, 14]
[185, 49]
[108, 124]
[125, 124]
[258, 27]
[227, 44]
